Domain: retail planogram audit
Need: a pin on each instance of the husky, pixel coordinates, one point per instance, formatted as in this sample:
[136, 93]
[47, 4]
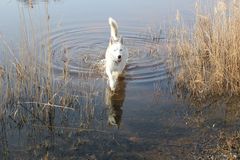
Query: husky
[116, 55]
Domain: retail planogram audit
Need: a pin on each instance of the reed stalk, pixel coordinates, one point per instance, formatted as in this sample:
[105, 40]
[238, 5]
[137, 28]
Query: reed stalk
[209, 52]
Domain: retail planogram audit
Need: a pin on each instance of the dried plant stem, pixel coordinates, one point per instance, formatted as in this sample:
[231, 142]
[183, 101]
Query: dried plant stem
[209, 54]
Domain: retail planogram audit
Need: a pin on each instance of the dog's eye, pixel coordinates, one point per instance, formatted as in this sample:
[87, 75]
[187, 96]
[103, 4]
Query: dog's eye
[121, 50]
[115, 50]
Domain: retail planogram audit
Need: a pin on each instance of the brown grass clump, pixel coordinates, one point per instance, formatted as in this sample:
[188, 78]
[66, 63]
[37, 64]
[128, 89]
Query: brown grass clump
[30, 92]
[26, 79]
[209, 53]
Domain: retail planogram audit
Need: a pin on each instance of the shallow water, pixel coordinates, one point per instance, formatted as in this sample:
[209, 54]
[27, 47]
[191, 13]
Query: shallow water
[144, 119]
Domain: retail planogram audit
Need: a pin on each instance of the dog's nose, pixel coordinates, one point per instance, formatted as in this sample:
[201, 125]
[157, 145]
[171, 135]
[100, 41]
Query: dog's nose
[119, 57]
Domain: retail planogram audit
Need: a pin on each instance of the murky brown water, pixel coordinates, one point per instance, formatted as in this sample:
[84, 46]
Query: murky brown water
[144, 119]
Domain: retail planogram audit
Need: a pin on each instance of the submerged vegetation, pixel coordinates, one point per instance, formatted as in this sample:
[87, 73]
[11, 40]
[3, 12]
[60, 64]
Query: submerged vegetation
[209, 52]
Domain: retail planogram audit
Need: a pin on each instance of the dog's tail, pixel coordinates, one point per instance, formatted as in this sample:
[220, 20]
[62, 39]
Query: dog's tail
[114, 28]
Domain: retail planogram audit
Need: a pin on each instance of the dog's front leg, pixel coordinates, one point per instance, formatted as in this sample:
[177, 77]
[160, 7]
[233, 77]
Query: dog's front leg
[112, 82]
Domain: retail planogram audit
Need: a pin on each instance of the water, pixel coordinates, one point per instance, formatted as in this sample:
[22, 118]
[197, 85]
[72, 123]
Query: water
[144, 119]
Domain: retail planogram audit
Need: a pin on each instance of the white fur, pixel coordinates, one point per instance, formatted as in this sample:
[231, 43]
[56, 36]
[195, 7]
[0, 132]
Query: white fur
[114, 64]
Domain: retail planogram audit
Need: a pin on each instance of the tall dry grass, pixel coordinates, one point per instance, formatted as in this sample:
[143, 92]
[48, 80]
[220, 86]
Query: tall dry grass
[208, 53]
[30, 92]
[27, 82]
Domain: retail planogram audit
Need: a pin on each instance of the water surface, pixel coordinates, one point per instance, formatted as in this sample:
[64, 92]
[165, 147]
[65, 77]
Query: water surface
[144, 119]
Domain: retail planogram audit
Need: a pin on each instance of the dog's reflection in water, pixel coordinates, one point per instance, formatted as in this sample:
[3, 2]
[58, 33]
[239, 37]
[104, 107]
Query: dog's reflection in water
[114, 101]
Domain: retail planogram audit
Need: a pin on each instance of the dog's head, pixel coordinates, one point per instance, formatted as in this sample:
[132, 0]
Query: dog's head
[117, 49]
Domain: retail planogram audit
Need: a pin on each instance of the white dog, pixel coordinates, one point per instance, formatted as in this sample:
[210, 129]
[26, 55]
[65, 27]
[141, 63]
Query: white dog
[116, 55]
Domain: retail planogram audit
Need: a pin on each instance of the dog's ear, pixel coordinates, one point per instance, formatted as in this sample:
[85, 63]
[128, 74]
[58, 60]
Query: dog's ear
[114, 41]
[121, 40]
[111, 40]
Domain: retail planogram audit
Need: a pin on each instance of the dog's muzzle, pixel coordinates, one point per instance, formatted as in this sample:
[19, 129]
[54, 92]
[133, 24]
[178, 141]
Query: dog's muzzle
[119, 59]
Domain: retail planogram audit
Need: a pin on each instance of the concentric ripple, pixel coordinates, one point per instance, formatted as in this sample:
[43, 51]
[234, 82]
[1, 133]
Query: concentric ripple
[84, 47]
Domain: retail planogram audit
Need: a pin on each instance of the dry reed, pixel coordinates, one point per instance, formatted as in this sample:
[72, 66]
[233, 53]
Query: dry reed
[208, 53]
[28, 86]
[26, 78]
